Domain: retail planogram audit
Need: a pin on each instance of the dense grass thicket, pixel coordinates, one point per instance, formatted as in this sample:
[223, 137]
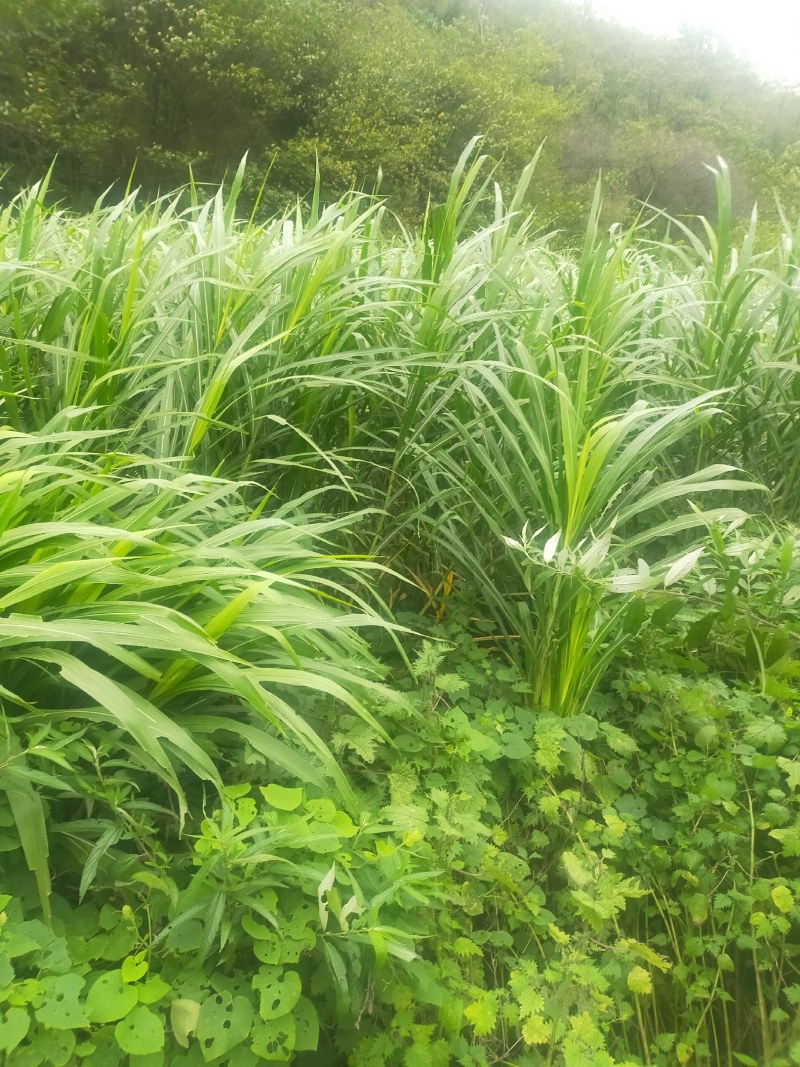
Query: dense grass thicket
[398, 636]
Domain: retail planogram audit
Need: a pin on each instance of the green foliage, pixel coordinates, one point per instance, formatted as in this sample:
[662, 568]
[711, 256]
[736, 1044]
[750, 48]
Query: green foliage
[213, 949]
[615, 891]
[548, 815]
[393, 88]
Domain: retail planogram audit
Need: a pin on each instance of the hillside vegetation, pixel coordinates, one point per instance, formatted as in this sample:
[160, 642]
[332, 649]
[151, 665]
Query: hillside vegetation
[160, 85]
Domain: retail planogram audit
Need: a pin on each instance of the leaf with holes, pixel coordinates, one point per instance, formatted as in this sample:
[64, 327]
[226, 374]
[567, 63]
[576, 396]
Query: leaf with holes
[13, 1027]
[53, 1047]
[293, 947]
[280, 991]
[306, 1024]
[268, 949]
[110, 999]
[60, 1006]
[185, 936]
[223, 1023]
[274, 1039]
[140, 1033]
[276, 949]
[55, 956]
[301, 914]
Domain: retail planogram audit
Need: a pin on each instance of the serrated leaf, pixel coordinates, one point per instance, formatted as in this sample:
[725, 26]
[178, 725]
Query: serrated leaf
[765, 733]
[536, 1031]
[639, 981]
[782, 898]
[482, 1015]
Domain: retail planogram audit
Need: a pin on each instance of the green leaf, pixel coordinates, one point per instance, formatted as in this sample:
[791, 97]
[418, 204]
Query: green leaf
[482, 1015]
[765, 733]
[28, 810]
[61, 1008]
[54, 1047]
[140, 1033]
[153, 990]
[110, 998]
[718, 787]
[14, 1025]
[306, 1024]
[134, 967]
[281, 797]
[782, 898]
[280, 990]
[224, 1022]
[639, 981]
[274, 1039]
[183, 1014]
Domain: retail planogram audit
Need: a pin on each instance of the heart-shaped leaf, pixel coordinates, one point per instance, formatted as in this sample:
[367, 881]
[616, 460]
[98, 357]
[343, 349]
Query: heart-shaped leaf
[280, 991]
[274, 1039]
[134, 967]
[14, 1025]
[110, 999]
[281, 797]
[140, 1033]
[223, 1023]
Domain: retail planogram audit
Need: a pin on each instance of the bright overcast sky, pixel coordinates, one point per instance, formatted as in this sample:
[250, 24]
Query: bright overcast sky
[767, 33]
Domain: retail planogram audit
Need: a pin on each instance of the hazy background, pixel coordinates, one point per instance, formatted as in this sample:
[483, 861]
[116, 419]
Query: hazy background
[400, 86]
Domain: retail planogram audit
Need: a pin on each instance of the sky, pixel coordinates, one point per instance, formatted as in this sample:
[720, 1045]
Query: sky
[767, 33]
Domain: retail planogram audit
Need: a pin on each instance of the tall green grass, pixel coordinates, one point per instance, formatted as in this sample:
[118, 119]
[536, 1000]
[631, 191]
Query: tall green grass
[224, 444]
[466, 381]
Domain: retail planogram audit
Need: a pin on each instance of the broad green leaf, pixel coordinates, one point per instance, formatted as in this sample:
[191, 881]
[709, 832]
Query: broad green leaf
[223, 1023]
[60, 1006]
[274, 1039]
[14, 1025]
[134, 967]
[782, 898]
[110, 998]
[184, 1014]
[279, 990]
[306, 1024]
[281, 797]
[140, 1033]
